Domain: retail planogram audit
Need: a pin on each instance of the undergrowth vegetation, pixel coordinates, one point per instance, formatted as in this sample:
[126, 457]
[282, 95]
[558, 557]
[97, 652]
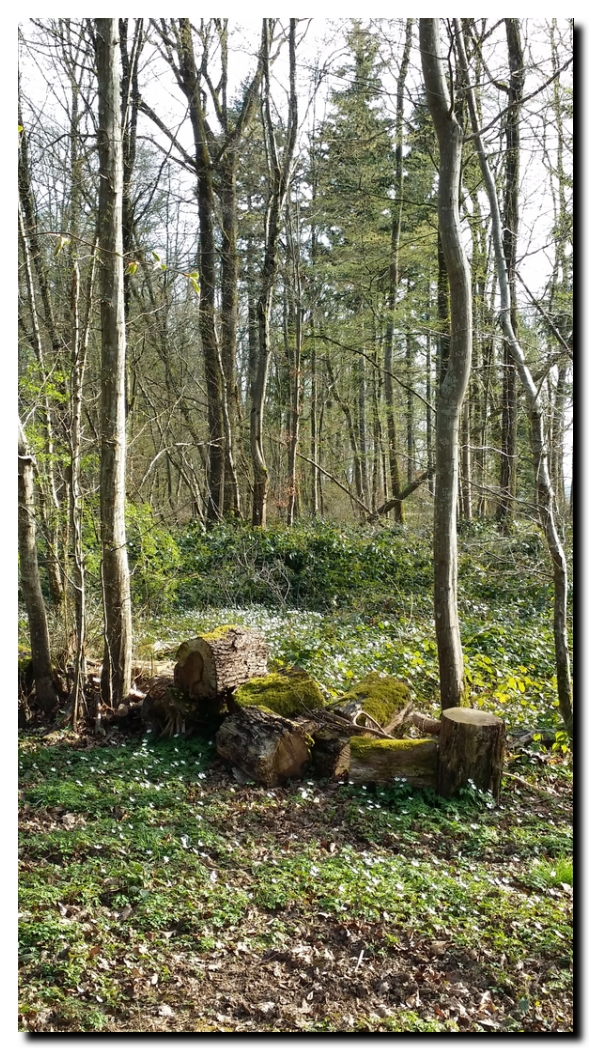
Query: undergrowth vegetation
[342, 601]
[157, 894]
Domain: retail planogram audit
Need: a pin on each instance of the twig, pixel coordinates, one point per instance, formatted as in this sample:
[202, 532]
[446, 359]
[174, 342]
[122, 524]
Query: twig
[531, 787]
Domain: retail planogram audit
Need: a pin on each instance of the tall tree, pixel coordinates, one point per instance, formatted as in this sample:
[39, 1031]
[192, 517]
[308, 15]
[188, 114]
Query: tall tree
[544, 491]
[279, 171]
[116, 673]
[394, 278]
[508, 476]
[454, 383]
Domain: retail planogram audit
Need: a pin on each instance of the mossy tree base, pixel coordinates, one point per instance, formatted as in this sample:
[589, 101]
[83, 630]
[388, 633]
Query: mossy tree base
[269, 749]
[381, 761]
[471, 747]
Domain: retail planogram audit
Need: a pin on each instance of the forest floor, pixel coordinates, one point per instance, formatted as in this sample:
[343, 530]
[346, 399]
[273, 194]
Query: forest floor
[159, 895]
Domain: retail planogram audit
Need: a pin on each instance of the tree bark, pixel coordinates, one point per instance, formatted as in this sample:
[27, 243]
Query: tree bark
[30, 582]
[116, 673]
[455, 380]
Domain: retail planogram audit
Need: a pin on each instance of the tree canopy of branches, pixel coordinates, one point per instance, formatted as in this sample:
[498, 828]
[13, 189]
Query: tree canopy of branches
[337, 283]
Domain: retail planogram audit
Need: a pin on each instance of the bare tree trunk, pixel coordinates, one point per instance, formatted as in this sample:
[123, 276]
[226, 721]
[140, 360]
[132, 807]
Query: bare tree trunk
[466, 464]
[545, 494]
[394, 465]
[116, 674]
[454, 383]
[362, 427]
[30, 583]
[50, 515]
[508, 477]
[279, 177]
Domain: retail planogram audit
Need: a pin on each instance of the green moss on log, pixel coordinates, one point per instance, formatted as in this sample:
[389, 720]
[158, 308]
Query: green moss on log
[381, 696]
[359, 744]
[217, 632]
[287, 693]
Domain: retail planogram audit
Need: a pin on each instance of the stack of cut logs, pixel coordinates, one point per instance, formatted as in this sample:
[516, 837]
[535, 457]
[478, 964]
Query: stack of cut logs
[278, 726]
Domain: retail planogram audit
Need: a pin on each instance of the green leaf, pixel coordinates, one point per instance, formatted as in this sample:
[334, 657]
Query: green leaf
[131, 267]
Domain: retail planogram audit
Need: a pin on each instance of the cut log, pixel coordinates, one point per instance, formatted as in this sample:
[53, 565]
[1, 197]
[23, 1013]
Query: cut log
[215, 663]
[471, 747]
[290, 692]
[381, 761]
[268, 748]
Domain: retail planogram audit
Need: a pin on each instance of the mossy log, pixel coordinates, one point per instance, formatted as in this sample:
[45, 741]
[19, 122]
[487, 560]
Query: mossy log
[216, 663]
[268, 748]
[381, 761]
[471, 747]
[291, 692]
[385, 699]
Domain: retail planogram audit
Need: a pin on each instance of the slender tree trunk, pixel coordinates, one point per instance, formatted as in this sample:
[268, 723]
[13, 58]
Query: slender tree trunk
[116, 674]
[279, 178]
[410, 420]
[229, 322]
[30, 582]
[508, 475]
[545, 494]
[49, 513]
[393, 452]
[428, 413]
[362, 427]
[357, 472]
[295, 365]
[454, 382]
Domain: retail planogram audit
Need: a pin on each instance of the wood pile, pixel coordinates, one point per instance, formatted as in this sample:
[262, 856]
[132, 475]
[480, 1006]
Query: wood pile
[276, 726]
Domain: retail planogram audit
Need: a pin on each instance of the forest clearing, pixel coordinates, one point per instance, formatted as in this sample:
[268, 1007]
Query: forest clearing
[295, 526]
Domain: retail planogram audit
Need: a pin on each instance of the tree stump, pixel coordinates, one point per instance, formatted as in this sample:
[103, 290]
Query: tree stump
[219, 661]
[267, 747]
[471, 747]
[381, 761]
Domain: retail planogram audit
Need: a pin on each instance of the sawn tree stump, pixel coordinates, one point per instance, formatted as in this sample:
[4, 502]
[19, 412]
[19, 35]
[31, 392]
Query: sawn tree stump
[265, 746]
[471, 747]
[219, 661]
